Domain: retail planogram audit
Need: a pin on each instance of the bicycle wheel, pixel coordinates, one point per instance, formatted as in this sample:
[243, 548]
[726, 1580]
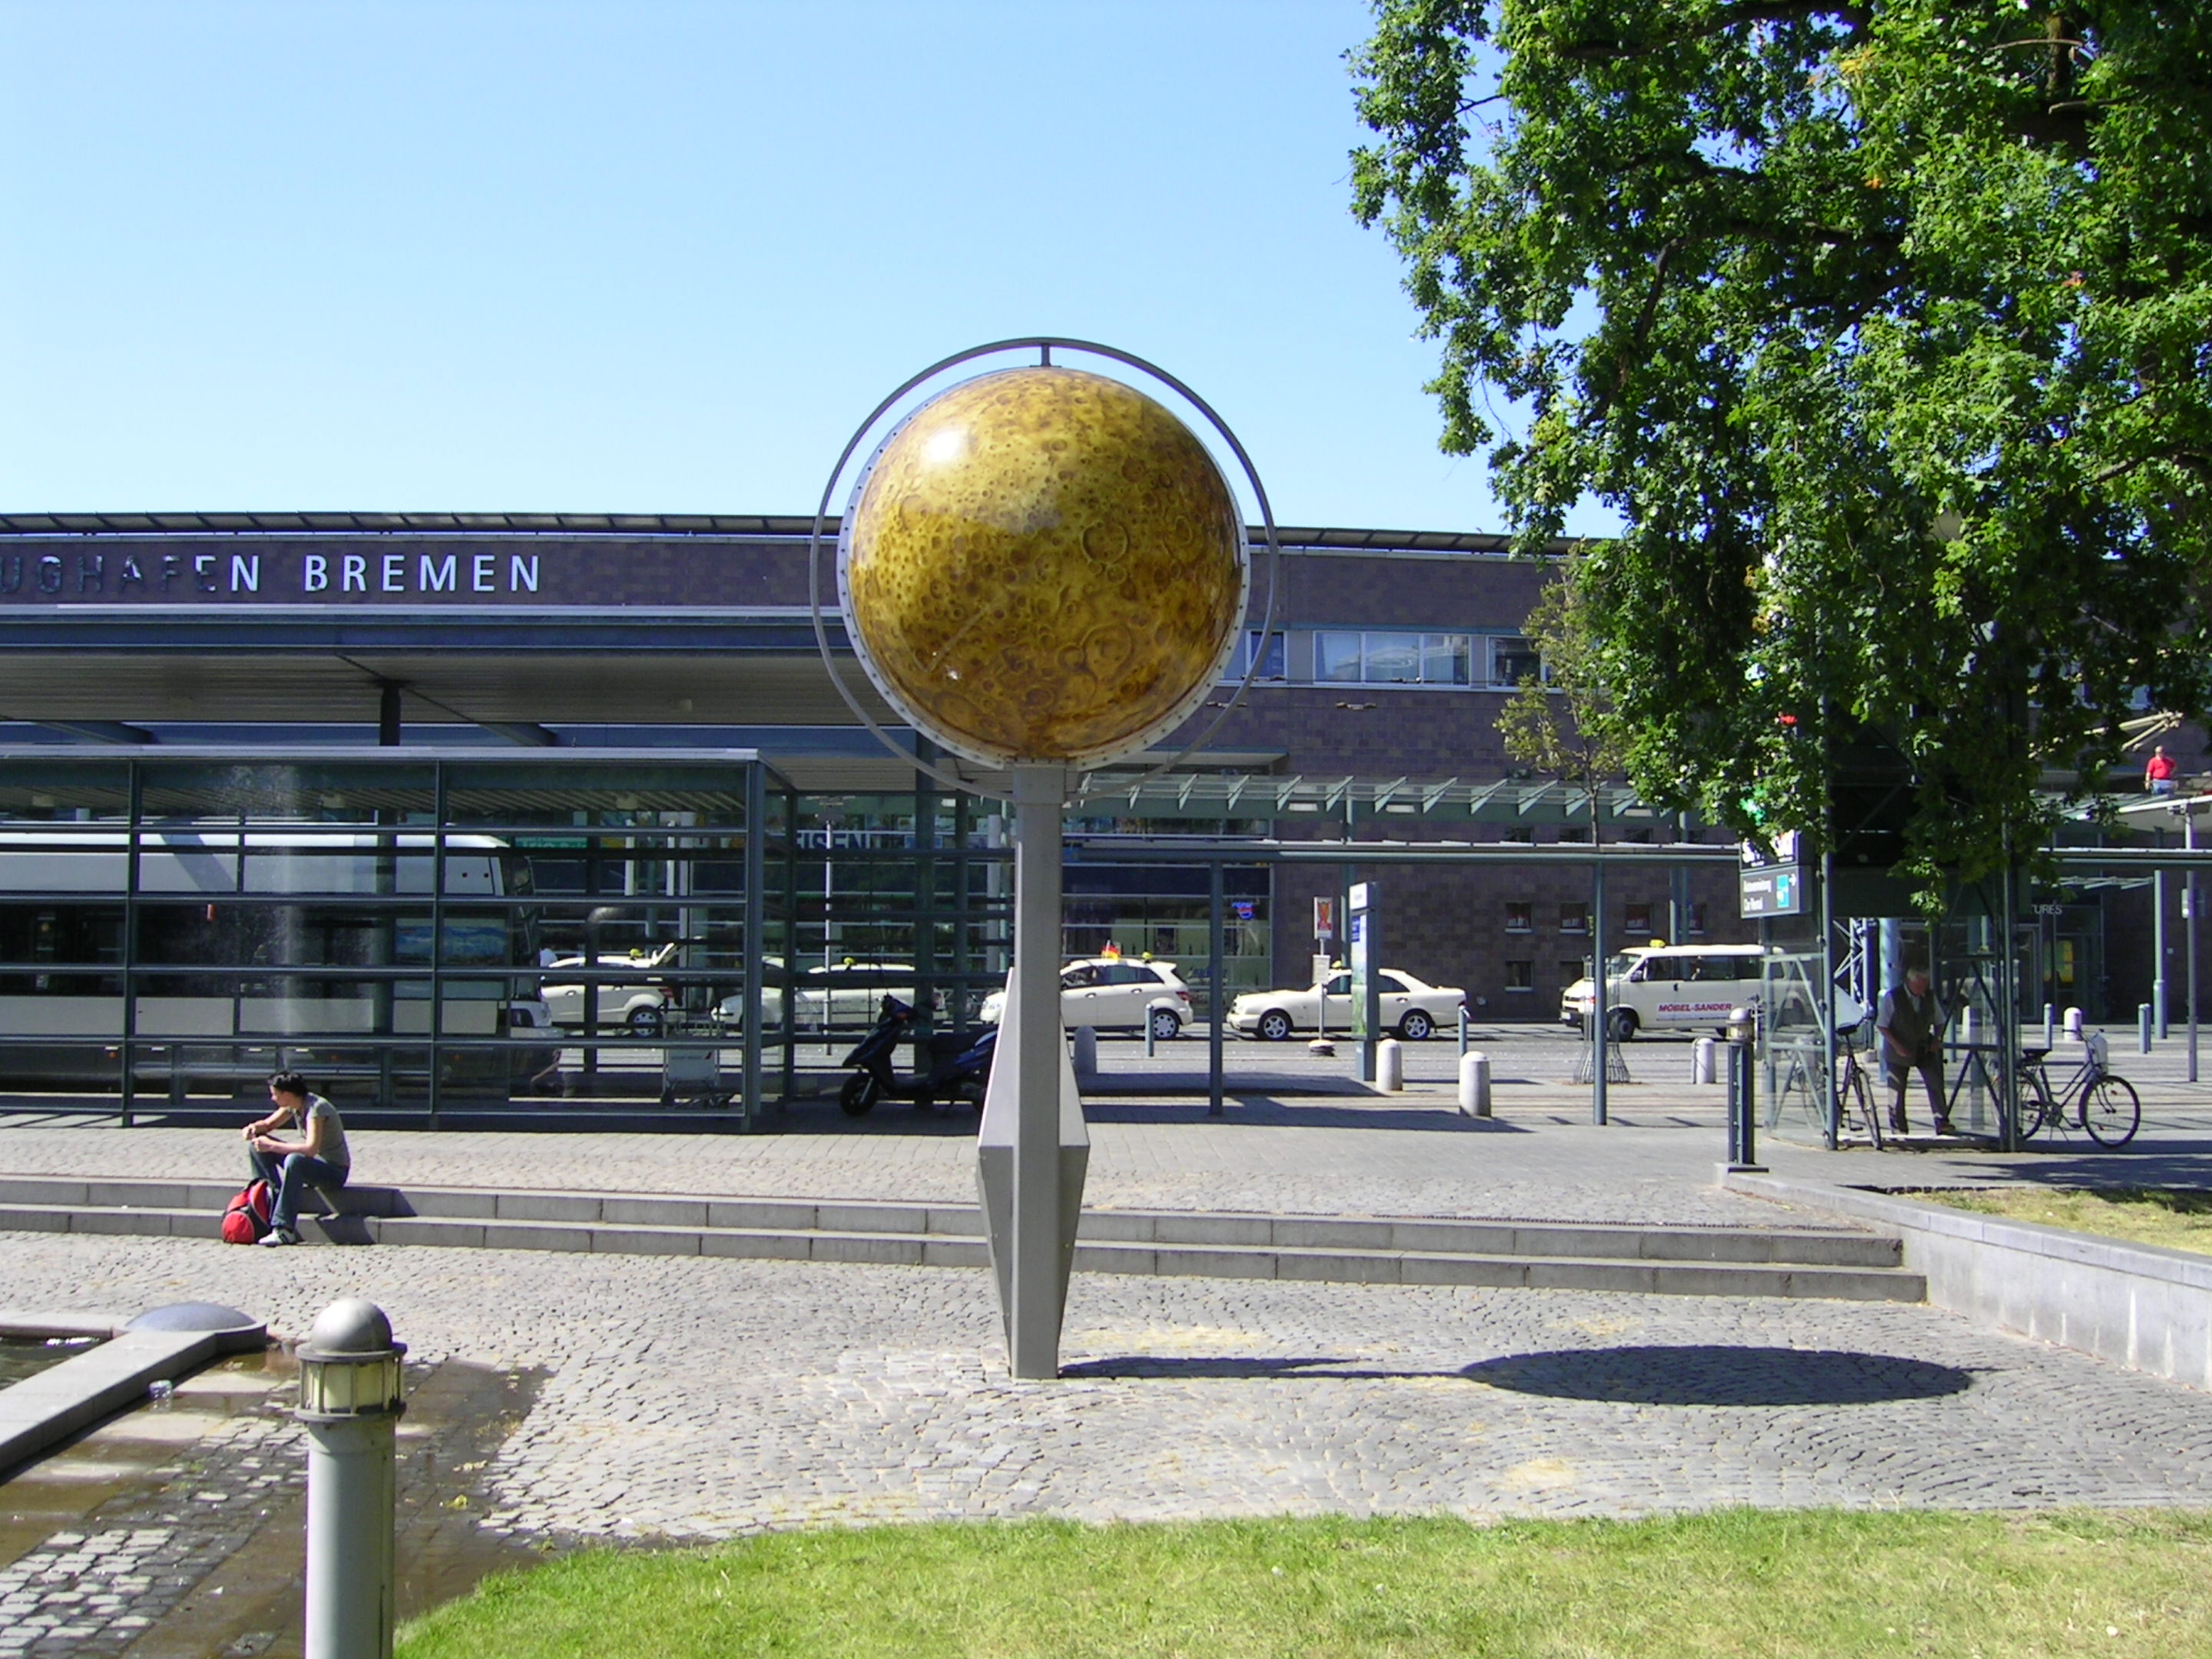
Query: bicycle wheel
[2111, 1112]
[2036, 1108]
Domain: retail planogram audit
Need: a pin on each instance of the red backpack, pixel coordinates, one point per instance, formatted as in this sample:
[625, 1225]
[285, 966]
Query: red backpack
[246, 1217]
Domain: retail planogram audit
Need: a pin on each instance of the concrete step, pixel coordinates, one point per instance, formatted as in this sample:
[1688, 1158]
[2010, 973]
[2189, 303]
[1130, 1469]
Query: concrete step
[1773, 1262]
[1822, 1247]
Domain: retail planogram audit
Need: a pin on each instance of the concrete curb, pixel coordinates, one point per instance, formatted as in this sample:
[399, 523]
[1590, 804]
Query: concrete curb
[55, 1404]
[2138, 1305]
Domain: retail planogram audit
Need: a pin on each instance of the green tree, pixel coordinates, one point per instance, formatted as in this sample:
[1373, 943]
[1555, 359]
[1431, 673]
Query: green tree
[1886, 327]
[1561, 720]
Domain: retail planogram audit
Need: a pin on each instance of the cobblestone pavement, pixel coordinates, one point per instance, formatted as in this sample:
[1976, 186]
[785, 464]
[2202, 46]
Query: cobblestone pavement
[697, 1398]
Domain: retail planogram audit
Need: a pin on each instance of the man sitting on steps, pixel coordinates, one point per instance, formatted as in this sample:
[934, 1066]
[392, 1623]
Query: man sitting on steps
[319, 1158]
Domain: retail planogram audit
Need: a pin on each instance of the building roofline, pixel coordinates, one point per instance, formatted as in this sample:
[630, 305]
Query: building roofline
[751, 524]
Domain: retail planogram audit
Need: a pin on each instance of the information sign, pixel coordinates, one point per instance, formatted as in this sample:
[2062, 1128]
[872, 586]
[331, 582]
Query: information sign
[1774, 890]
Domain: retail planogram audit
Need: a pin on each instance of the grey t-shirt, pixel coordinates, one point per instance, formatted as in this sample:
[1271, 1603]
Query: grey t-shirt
[335, 1150]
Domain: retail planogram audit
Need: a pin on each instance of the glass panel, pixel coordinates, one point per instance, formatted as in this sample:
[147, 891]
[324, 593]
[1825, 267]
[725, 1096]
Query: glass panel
[1393, 658]
[1336, 656]
[1240, 661]
[1513, 660]
[1446, 659]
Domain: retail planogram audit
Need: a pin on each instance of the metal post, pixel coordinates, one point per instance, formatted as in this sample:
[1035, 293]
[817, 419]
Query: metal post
[2189, 933]
[1032, 1147]
[2142, 1027]
[1832, 1129]
[1462, 1030]
[1217, 999]
[132, 880]
[2007, 1021]
[441, 816]
[349, 1403]
[2157, 950]
[1599, 1014]
[756, 944]
[1743, 1151]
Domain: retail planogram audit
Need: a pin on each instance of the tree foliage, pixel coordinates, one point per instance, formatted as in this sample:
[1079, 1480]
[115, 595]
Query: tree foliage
[1561, 722]
[1886, 326]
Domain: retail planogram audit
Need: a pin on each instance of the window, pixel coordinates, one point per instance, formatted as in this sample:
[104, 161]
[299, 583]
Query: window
[1376, 658]
[1272, 666]
[1336, 656]
[1513, 660]
[1520, 975]
[1572, 968]
[1697, 918]
[1574, 918]
[1521, 835]
[1638, 919]
[1575, 834]
[1520, 917]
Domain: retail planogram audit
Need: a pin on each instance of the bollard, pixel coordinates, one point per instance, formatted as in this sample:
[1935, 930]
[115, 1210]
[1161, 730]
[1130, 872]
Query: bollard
[2047, 1026]
[1086, 1052]
[2142, 1027]
[1742, 1102]
[1389, 1065]
[2074, 1025]
[1151, 1041]
[351, 1401]
[1474, 1084]
[1463, 1031]
[1705, 1060]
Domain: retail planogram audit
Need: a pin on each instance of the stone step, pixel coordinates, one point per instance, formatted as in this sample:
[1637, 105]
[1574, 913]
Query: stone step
[1806, 1246]
[1355, 1250]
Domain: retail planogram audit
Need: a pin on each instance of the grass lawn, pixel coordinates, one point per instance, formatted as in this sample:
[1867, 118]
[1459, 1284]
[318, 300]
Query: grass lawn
[2180, 1218]
[1825, 1584]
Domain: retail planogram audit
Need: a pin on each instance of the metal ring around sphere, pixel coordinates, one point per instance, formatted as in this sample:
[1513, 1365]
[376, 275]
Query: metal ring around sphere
[1044, 343]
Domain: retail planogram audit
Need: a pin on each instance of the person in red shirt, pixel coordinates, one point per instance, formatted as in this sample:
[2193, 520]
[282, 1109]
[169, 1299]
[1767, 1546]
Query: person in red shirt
[2158, 773]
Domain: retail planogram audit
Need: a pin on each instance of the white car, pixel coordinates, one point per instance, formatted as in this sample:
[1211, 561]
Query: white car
[1412, 1007]
[840, 994]
[626, 998]
[1109, 993]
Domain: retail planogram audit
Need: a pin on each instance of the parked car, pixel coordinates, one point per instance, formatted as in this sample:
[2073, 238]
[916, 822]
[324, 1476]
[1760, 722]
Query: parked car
[1110, 993]
[838, 994]
[626, 998]
[1412, 1007]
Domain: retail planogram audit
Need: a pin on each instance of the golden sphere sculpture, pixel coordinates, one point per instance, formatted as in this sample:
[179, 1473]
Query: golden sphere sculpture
[1043, 565]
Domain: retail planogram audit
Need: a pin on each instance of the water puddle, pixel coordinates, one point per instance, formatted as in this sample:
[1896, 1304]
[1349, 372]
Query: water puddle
[22, 1357]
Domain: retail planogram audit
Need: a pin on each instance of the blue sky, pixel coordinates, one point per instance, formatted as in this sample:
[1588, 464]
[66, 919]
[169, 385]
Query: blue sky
[661, 257]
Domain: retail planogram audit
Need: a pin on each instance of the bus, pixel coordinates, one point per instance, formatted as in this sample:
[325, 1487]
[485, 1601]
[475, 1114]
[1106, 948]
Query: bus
[283, 941]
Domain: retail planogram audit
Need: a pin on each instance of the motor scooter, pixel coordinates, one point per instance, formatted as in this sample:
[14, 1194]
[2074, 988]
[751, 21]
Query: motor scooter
[955, 1064]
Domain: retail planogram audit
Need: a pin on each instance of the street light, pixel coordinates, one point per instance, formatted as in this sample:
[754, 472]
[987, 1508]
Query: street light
[351, 1397]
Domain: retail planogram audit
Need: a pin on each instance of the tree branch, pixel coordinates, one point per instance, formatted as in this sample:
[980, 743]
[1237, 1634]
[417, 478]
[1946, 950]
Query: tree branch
[1856, 18]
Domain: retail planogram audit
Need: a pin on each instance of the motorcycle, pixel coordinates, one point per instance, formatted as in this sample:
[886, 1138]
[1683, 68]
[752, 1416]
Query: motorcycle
[952, 1064]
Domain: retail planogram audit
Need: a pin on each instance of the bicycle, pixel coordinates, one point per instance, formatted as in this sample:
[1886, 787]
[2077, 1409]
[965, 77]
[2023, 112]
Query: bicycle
[1853, 1103]
[2104, 1105]
[1854, 1094]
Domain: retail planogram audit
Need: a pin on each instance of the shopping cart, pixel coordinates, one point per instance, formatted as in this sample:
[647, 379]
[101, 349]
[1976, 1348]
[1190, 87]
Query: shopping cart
[692, 1075]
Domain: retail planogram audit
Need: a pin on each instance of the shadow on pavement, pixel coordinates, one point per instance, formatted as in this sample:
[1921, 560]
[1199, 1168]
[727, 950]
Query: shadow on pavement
[1720, 1374]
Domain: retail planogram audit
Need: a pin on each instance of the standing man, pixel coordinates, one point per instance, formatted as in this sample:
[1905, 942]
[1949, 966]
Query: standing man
[2158, 773]
[1911, 1022]
[319, 1158]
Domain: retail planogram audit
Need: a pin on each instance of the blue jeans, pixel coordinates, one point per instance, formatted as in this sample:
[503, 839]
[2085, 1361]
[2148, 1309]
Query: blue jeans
[286, 1175]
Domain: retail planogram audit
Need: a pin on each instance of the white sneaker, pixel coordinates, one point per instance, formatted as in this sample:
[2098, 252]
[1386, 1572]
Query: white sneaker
[278, 1235]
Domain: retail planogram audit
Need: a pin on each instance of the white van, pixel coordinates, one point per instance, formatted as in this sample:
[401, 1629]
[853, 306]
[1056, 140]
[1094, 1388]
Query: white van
[1667, 987]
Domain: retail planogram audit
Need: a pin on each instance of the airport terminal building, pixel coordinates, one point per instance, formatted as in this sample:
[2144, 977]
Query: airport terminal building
[387, 793]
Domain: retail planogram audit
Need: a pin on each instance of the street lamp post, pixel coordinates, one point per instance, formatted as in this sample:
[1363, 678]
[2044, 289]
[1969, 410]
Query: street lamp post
[351, 1401]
